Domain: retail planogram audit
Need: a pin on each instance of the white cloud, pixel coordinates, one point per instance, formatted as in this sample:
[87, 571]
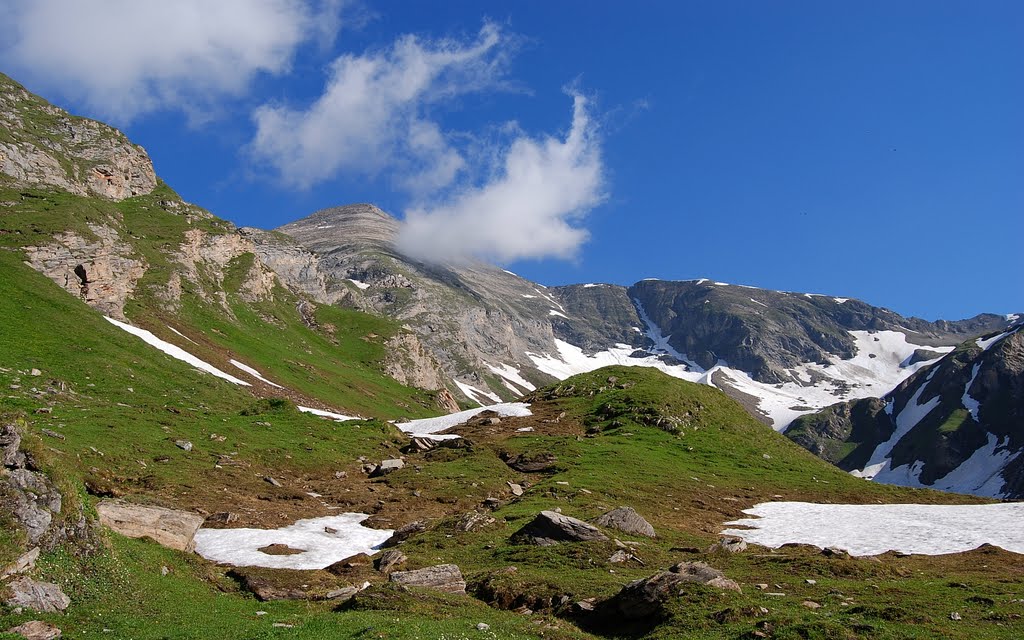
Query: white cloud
[372, 113]
[526, 210]
[127, 57]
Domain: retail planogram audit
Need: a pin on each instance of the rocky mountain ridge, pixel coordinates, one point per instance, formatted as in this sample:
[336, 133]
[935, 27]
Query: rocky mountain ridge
[954, 425]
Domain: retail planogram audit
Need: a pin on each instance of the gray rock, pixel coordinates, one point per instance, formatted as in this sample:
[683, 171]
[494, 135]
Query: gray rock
[44, 597]
[25, 562]
[184, 445]
[36, 630]
[549, 528]
[342, 594]
[169, 527]
[272, 481]
[390, 559]
[443, 577]
[627, 520]
[645, 599]
[405, 532]
[10, 441]
[729, 545]
[516, 489]
[388, 466]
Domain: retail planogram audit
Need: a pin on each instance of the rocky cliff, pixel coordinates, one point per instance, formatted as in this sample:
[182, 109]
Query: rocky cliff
[956, 425]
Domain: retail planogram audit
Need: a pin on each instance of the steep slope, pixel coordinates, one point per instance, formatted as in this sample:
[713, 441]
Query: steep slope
[957, 425]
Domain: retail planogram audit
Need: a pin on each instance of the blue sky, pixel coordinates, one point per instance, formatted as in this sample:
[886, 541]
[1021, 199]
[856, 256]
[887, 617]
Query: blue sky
[870, 149]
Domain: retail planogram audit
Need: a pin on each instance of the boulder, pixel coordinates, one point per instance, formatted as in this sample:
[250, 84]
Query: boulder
[44, 597]
[550, 527]
[387, 466]
[645, 599]
[729, 545]
[534, 463]
[36, 630]
[10, 441]
[170, 527]
[264, 588]
[627, 520]
[390, 559]
[442, 577]
[405, 532]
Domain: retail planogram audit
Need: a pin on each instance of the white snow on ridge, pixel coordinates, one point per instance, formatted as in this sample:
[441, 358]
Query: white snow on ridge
[183, 335]
[252, 372]
[875, 370]
[841, 300]
[969, 402]
[552, 312]
[327, 414]
[511, 374]
[987, 343]
[359, 283]
[866, 530]
[1012, 317]
[430, 426]
[176, 352]
[321, 548]
[979, 475]
[879, 465]
[475, 394]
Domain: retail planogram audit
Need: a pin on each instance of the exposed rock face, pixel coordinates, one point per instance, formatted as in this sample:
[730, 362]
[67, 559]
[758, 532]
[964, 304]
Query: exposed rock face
[171, 528]
[627, 520]
[443, 577]
[389, 560]
[550, 527]
[599, 316]
[967, 406]
[44, 597]
[33, 501]
[44, 145]
[409, 363]
[768, 332]
[102, 270]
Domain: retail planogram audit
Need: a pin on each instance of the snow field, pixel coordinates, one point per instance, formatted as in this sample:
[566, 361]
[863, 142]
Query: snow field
[867, 530]
[323, 541]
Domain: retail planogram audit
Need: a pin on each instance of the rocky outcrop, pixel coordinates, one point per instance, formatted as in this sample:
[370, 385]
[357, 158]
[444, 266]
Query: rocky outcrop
[102, 270]
[627, 520]
[443, 577]
[646, 599]
[297, 267]
[46, 146]
[36, 630]
[170, 527]
[551, 527]
[411, 364]
[33, 501]
[44, 597]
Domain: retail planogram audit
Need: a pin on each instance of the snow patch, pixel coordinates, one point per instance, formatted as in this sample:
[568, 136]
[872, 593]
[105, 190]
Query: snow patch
[430, 426]
[590, 285]
[475, 394]
[320, 548]
[252, 372]
[969, 402]
[359, 283]
[176, 352]
[879, 466]
[510, 373]
[760, 303]
[986, 344]
[841, 300]
[552, 312]
[867, 530]
[183, 335]
[327, 414]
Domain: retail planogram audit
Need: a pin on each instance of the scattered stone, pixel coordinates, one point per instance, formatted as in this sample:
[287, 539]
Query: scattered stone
[405, 532]
[52, 434]
[342, 594]
[272, 481]
[619, 557]
[170, 527]
[387, 466]
[222, 517]
[955, 616]
[44, 597]
[35, 372]
[184, 445]
[810, 581]
[534, 463]
[263, 588]
[36, 630]
[482, 626]
[390, 559]
[833, 552]
[550, 527]
[369, 468]
[492, 503]
[627, 520]
[474, 521]
[517, 490]
[277, 549]
[217, 437]
[338, 475]
[443, 577]
[811, 604]
[420, 445]
[25, 562]
[729, 545]
[43, 410]
[347, 565]
[761, 586]
[704, 574]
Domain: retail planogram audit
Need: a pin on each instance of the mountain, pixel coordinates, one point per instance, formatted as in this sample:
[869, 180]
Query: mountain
[163, 370]
[497, 335]
[954, 425]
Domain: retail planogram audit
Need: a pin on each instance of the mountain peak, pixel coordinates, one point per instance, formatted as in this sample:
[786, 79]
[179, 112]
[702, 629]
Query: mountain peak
[363, 225]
